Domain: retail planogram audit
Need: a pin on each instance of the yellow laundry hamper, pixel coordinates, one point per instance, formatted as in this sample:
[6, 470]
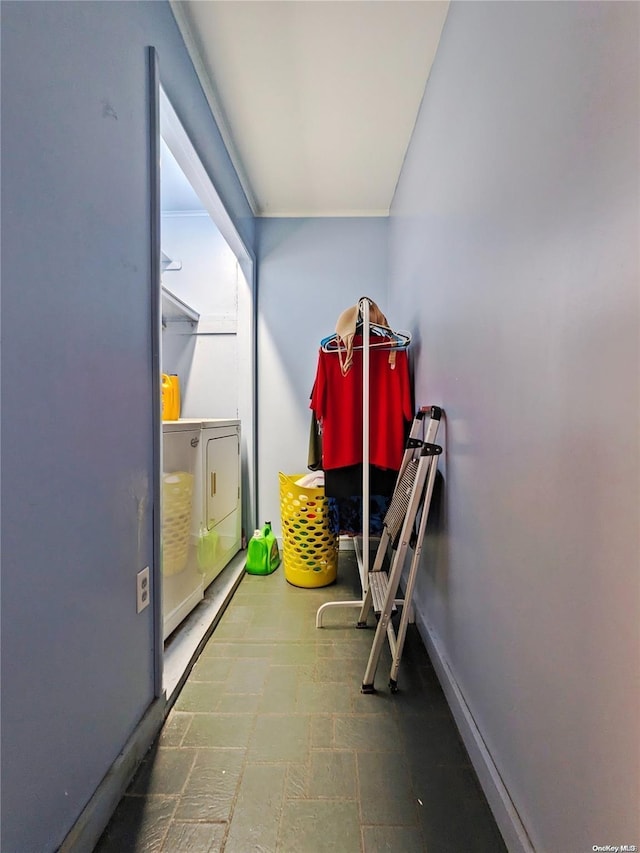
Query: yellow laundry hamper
[309, 549]
[177, 490]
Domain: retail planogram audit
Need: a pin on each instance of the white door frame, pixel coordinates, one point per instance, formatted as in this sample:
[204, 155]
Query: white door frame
[165, 124]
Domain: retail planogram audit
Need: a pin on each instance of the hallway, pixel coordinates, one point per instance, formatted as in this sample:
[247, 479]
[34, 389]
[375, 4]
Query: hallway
[272, 747]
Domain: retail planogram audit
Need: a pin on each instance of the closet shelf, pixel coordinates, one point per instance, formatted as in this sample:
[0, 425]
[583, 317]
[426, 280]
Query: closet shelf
[169, 264]
[174, 310]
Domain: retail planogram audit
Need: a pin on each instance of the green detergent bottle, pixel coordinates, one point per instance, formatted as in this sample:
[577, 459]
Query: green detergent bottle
[263, 555]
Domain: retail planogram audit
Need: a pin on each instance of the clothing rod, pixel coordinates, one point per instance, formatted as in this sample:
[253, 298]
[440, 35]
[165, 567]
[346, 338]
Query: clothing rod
[364, 313]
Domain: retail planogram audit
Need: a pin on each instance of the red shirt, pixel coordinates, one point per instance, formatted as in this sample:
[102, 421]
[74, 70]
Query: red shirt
[337, 403]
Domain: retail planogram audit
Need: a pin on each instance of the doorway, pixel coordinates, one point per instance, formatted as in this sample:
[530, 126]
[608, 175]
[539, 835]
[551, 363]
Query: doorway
[207, 339]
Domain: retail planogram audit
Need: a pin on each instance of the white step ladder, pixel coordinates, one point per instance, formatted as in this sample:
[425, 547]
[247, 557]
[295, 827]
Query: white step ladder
[411, 497]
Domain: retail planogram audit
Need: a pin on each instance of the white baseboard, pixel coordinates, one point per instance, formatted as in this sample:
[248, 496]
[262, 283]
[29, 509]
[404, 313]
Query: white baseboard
[513, 831]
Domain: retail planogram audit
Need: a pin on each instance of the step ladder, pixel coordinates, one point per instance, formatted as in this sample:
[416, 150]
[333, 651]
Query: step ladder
[409, 504]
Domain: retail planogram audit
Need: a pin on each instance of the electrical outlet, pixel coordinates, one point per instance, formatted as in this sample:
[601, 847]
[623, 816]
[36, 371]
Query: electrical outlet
[143, 589]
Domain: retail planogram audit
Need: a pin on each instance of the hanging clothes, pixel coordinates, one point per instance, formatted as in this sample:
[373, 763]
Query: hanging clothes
[337, 410]
[346, 482]
[343, 488]
[345, 514]
[336, 400]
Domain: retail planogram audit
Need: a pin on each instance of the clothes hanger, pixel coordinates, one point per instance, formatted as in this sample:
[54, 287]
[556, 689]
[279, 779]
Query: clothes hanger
[392, 340]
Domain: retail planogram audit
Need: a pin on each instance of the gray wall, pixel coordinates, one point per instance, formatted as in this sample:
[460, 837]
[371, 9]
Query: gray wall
[77, 662]
[309, 271]
[514, 258]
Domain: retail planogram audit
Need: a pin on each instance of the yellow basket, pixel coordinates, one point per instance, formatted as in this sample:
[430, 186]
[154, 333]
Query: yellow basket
[177, 490]
[309, 549]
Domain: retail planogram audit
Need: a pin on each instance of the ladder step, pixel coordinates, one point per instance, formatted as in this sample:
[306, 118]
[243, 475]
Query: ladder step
[378, 583]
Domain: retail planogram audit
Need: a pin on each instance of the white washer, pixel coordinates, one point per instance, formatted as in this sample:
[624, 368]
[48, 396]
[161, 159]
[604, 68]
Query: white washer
[182, 581]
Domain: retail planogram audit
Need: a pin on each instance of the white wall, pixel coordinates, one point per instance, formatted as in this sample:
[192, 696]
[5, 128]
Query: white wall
[309, 271]
[207, 278]
[207, 360]
[514, 258]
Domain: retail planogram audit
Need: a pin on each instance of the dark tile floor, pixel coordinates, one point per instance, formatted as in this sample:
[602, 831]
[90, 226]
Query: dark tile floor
[272, 747]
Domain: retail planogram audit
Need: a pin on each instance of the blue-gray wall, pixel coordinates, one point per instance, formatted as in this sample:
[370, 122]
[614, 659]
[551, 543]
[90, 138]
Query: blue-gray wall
[309, 271]
[514, 257]
[77, 467]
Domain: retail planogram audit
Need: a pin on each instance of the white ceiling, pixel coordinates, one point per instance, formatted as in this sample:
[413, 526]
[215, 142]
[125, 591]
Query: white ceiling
[316, 99]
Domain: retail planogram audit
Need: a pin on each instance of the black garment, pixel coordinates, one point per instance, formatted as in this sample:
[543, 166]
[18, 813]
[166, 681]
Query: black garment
[314, 461]
[347, 482]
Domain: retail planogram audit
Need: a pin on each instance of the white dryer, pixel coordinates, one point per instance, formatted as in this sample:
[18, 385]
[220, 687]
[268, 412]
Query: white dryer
[220, 510]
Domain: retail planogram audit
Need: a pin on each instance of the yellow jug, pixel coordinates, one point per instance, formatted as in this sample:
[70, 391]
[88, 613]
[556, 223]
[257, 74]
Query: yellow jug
[167, 398]
[175, 384]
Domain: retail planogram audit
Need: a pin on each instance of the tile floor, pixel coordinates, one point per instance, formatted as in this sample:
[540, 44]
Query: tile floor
[271, 746]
